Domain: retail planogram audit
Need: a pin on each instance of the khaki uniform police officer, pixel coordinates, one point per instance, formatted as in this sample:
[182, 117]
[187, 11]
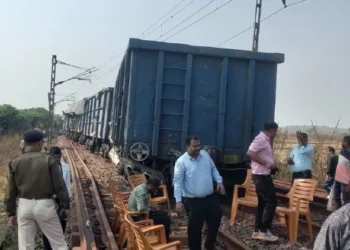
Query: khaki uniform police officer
[34, 177]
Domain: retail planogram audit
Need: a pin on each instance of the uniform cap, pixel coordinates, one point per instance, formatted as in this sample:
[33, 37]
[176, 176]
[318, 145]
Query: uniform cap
[33, 135]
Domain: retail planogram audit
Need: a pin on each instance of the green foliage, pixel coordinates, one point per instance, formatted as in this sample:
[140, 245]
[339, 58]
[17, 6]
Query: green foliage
[19, 120]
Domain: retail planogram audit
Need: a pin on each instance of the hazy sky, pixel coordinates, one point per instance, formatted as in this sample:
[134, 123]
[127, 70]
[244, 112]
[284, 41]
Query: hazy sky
[313, 83]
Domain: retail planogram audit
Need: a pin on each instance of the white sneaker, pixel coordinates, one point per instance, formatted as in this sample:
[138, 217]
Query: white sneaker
[255, 235]
[268, 236]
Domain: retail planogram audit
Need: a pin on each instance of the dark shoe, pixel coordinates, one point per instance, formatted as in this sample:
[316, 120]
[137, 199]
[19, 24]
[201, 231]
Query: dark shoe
[209, 246]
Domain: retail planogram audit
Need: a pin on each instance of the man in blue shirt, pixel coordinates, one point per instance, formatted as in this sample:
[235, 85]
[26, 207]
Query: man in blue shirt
[300, 159]
[65, 171]
[193, 187]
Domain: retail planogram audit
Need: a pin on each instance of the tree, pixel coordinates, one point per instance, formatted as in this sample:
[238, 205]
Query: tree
[8, 117]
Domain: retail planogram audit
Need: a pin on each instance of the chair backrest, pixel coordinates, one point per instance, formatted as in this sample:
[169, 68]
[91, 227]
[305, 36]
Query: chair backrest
[122, 207]
[141, 240]
[304, 190]
[132, 244]
[249, 185]
[137, 179]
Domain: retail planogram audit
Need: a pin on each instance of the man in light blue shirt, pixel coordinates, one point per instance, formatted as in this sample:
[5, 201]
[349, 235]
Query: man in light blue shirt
[65, 170]
[300, 159]
[194, 175]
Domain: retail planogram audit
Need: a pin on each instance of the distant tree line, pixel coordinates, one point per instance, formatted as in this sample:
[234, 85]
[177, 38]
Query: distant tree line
[14, 120]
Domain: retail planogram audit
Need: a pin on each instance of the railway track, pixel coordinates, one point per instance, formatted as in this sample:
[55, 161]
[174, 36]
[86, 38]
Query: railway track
[89, 228]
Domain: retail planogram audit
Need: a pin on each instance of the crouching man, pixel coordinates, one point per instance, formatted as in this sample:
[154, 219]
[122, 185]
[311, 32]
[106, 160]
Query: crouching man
[139, 202]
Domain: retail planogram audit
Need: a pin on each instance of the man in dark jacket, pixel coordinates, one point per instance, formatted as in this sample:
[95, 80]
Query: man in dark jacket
[33, 178]
[332, 163]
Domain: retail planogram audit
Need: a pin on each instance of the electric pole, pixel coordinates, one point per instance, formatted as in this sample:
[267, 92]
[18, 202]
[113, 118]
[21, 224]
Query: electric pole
[52, 100]
[257, 25]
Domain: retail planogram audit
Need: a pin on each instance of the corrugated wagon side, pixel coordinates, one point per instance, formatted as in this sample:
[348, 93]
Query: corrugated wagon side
[96, 118]
[73, 119]
[165, 92]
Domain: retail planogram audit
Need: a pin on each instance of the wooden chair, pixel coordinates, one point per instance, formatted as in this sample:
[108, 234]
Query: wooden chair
[138, 179]
[300, 195]
[117, 217]
[250, 199]
[144, 244]
[152, 238]
[122, 209]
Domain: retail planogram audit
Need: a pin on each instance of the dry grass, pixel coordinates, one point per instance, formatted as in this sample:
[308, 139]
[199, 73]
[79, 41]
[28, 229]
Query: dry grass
[9, 149]
[283, 145]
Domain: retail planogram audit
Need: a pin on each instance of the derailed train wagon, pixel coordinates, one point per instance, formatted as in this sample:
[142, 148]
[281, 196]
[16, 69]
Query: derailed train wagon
[96, 118]
[73, 119]
[165, 92]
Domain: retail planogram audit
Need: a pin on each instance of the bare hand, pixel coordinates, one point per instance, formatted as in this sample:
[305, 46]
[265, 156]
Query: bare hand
[269, 165]
[13, 221]
[179, 208]
[220, 188]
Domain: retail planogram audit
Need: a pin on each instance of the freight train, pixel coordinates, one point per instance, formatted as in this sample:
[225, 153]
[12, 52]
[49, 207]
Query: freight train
[165, 92]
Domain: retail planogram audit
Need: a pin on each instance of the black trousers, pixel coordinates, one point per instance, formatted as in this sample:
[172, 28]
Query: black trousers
[341, 195]
[199, 210]
[267, 202]
[159, 218]
[307, 174]
[63, 221]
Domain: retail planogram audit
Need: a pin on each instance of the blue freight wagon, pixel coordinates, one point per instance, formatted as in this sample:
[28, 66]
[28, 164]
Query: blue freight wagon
[73, 120]
[165, 92]
[96, 118]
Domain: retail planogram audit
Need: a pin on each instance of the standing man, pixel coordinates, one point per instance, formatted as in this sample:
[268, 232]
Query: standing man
[300, 159]
[332, 163]
[342, 175]
[262, 163]
[34, 177]
[139, 202]
[65, 171]
[193, 186]
[22, 146]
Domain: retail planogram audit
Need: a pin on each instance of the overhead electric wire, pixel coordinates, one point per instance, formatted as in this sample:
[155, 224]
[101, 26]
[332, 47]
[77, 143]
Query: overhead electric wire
[196, 21]
[171, 17]
[161, 18]
[177, 25]
[264, 19]
[116, 55]
[70, 65]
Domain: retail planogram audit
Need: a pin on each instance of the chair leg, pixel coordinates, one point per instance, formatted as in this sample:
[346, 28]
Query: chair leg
[309, 225]
[169, 208]
[233, 212]
[122, 234]
[291, 227]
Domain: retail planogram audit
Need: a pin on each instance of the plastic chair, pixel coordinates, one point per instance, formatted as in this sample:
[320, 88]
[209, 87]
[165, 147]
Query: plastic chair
[159, 231]
[250, 199]
[300, 195]
[138, 179]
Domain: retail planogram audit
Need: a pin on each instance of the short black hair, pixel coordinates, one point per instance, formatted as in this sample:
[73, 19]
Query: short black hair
[190, 138]
[331, 149]
[55, 151]
[304, 135]
[155, 182]
[270, 126]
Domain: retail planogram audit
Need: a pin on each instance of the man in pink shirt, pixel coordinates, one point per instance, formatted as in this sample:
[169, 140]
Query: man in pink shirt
[262, 163]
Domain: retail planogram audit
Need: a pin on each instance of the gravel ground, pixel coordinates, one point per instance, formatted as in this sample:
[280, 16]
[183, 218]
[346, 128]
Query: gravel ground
[106, 171]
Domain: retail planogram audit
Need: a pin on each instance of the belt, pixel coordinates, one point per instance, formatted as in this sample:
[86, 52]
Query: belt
[199, 197]
[46, 197]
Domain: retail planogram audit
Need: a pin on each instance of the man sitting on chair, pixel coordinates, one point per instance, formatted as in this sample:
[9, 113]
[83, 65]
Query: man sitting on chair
[139, 202]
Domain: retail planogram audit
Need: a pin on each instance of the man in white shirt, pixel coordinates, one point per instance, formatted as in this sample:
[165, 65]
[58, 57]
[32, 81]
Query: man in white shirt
[65, 170]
